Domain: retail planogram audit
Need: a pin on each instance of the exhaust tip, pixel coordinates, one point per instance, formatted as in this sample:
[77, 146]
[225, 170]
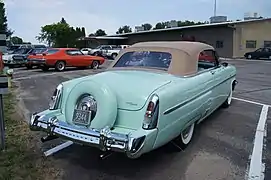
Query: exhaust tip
[48, 138]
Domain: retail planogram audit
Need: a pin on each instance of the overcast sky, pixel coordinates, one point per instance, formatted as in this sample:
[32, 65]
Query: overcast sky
[27, 16]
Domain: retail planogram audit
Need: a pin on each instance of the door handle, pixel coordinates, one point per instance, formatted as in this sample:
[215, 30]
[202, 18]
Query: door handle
[212, 72]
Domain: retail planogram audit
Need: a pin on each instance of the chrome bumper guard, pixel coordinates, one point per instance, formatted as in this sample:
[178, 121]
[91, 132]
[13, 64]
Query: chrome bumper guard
[104, 139]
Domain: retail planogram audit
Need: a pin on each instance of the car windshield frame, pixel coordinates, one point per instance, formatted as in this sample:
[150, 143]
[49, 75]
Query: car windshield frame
[259, 50]
[21, 51]
[13, 47]
[145, 59]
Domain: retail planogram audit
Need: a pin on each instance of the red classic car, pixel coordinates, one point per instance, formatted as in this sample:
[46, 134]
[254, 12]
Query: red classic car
[60, 58]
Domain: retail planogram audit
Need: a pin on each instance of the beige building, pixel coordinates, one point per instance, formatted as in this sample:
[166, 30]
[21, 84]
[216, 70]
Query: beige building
[231, 39]
[249, 36]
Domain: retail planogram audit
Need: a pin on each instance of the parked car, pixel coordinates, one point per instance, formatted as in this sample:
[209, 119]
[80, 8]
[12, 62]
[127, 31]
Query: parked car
[114, 51]
[30, 63]
[14, 47]
[86, 51]
[17, 57]
[99, 50]
[152, 94]
[259, 54]
[111, 53]
[60, 58]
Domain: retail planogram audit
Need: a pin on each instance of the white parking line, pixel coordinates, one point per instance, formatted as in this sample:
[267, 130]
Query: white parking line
[256, 167]
[24, 72]
[58, 148]
[251, 102]
[55, 73]
[263, 61]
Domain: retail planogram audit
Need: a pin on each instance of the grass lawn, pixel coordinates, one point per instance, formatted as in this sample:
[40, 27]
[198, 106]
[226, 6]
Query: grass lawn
[22, 158]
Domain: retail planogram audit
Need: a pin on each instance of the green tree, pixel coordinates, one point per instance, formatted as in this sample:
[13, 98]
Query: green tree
[100, 32]
[3, 21]
[124, 29]
[188, 23]
[165, 24]
[16, 40]
[48, 34]
[147, 26]
[83, 32]
[160, 25]
[60, 34]
[56, 34]
[63, 21]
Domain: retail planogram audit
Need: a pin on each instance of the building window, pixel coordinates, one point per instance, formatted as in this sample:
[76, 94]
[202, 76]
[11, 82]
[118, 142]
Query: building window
[251, 44]
[219, 44]
[267, 44]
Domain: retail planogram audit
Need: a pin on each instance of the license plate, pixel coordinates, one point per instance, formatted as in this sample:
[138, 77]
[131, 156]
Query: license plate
[81, 117]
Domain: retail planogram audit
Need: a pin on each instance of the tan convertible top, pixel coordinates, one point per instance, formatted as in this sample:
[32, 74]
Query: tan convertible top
[184, 54]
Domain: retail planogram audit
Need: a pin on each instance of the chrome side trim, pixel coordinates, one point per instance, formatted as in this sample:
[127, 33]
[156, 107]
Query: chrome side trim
[170, 110]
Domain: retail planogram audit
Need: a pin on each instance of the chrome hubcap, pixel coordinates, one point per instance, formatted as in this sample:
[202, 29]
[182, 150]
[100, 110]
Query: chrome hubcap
[95, 64]
[60, 66]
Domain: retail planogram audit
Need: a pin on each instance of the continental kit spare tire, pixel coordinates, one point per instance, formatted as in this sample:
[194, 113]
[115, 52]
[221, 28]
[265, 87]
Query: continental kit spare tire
[106, 103]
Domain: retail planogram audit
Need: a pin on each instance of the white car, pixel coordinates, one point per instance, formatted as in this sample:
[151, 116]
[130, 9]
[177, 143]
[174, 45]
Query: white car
[113, 52]
[86, 51]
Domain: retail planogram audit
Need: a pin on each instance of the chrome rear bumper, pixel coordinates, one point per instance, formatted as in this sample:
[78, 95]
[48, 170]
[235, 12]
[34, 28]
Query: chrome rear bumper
[36, 61]
[103, 139]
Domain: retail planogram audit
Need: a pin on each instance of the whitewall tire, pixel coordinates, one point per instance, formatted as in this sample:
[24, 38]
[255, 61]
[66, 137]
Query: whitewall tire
[184, 139]
[228, 101]
[187, 134]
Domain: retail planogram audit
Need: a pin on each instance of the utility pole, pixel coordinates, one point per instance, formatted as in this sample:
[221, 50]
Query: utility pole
[215, 8]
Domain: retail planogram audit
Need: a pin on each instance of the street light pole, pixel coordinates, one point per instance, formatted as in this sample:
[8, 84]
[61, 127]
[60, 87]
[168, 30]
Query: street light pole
[215, 8]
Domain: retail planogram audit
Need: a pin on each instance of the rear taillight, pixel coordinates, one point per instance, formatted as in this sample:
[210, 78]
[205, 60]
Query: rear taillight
[151, 114]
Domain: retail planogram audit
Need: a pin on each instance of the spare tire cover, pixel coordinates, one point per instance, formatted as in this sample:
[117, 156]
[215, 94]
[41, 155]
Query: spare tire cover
[106, 103]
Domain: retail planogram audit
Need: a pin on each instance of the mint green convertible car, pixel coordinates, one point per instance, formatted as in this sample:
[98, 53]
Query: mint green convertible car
[152, 94]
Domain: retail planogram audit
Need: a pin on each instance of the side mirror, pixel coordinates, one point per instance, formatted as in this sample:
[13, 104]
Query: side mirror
[44, 54]
[34, 54]
[225, 64]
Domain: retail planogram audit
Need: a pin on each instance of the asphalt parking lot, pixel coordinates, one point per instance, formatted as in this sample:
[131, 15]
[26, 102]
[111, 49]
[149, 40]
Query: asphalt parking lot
[222, 148]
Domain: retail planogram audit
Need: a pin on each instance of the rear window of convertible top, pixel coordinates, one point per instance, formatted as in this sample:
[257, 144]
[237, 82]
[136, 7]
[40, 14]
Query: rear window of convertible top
[147, 59]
